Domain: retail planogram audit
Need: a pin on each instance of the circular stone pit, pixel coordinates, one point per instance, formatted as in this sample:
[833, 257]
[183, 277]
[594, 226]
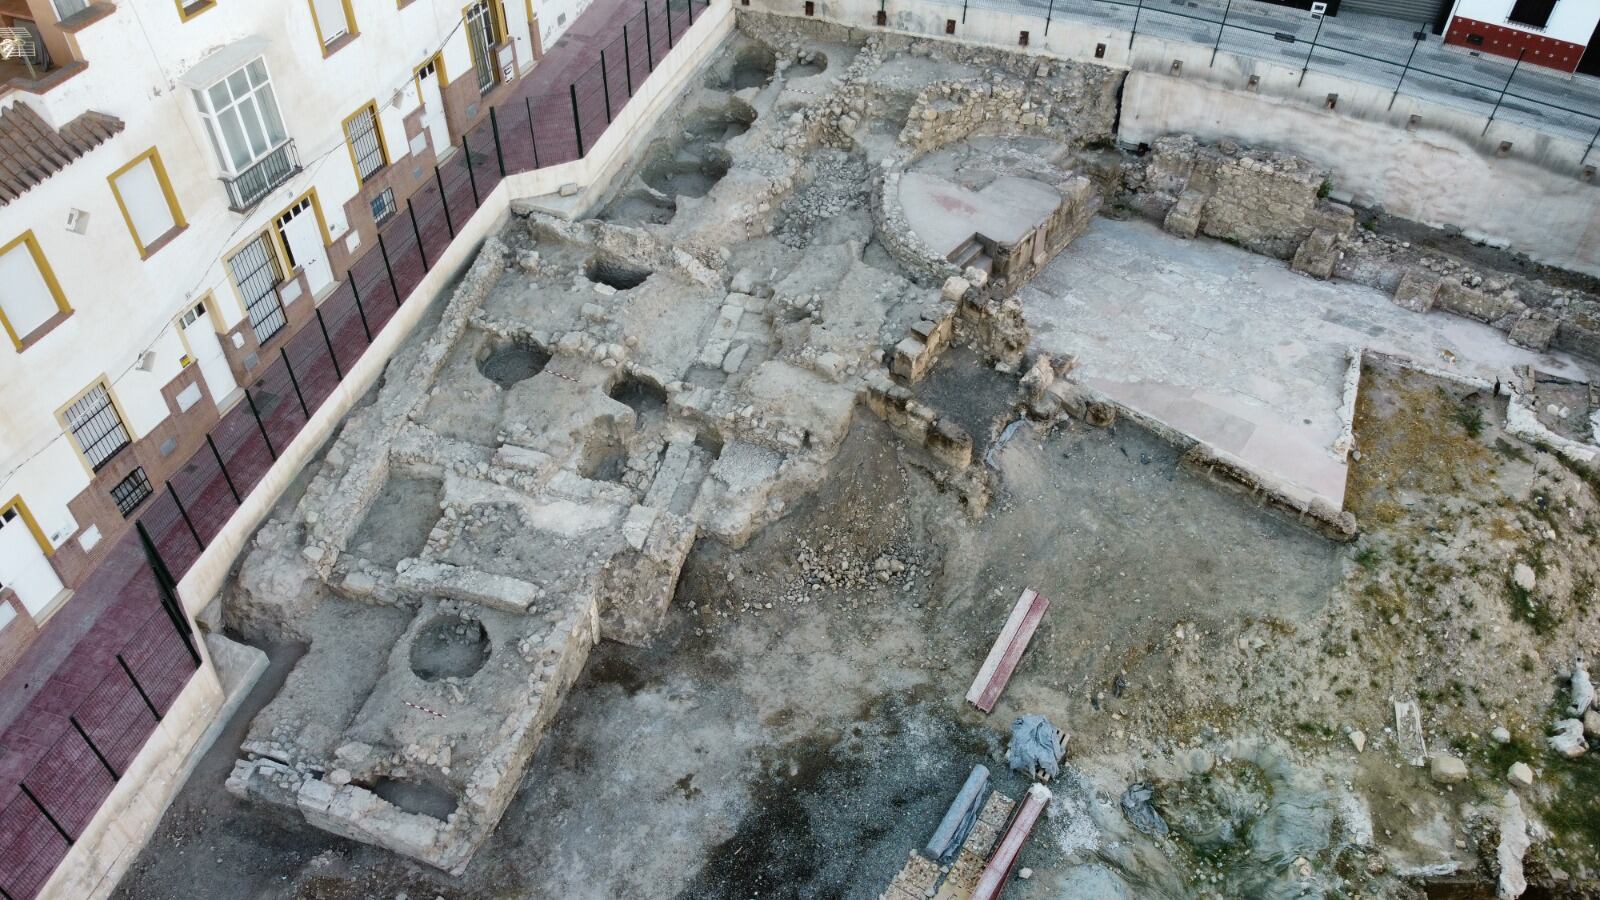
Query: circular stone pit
[609, 270]
[449, 647]
[506, 362]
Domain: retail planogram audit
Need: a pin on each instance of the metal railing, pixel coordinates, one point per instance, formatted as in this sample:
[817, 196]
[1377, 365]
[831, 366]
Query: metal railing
[247, 188]
[1404, 62]
[85, 750]
[76, 759]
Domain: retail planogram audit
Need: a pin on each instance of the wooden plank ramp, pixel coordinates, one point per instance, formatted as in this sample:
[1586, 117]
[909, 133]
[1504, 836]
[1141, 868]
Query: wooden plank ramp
[1007, 650]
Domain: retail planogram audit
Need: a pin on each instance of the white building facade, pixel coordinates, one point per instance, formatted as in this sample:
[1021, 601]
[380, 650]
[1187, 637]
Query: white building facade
[1551, 33]
[174, 178]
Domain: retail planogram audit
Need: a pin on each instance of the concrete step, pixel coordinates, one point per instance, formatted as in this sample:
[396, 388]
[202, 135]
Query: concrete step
[963, 255]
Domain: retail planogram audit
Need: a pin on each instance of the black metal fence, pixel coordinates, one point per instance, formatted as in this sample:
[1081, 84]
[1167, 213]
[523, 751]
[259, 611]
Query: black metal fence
[1403, 61]
[97, 738]
[78, 734]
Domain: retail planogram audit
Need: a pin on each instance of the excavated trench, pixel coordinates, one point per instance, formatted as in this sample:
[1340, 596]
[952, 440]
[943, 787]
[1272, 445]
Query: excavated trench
[647, 400]
[686, 171]
[807, 64]
[753, 67]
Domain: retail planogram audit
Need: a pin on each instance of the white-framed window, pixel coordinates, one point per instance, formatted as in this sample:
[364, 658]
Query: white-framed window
[241, 117]
[333, 20]
[191, 316]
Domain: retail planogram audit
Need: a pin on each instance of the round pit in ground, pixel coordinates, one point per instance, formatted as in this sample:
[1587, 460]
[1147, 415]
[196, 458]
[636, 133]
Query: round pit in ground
[509, 362]
[614, 272]
[418, 797]
[449, 647]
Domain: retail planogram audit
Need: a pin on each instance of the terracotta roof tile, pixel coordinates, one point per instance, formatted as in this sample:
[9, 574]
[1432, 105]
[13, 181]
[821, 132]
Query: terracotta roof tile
[31, 151]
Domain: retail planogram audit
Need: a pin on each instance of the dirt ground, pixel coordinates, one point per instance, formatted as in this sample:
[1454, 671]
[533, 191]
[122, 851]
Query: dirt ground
[798, 726]
[791, 737]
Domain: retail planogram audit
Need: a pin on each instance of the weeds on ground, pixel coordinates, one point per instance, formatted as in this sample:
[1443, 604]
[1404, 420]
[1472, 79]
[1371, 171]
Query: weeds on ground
[1525, 608]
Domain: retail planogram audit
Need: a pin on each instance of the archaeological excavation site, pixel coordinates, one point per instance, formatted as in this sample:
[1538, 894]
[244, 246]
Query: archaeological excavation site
[913, 474]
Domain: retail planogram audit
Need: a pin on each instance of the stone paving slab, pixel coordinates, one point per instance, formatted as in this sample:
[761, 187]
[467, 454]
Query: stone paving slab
[1237, 351]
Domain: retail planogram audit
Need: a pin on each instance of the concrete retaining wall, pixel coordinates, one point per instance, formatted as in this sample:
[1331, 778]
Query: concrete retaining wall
[1444, 168]
[129, 816]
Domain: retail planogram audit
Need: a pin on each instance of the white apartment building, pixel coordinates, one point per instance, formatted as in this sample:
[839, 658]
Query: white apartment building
[173, 174]
[1555, 34]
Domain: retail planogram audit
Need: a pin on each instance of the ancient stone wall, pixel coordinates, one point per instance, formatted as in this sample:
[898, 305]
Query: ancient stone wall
[1264, 201]
[1080, 201]
[921, 263]
[1061, 101]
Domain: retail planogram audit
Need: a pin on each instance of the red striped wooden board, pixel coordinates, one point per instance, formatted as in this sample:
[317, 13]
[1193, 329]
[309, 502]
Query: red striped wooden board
[1005, 856]
[1007, 650]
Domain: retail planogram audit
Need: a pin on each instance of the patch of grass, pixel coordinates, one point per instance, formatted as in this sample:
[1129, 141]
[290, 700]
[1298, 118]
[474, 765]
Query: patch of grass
[1511, 451]
[1588, 475]
[1470, 418]
[1324, 189]
[1368, 558]
[1315, 729]
[1416, 439]
[1525, 608]
[1570, 804]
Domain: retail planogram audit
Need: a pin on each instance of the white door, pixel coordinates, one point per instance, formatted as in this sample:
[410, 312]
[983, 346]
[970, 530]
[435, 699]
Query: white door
[206, 346]
[302, 237]
[433, 121]
[23, 566]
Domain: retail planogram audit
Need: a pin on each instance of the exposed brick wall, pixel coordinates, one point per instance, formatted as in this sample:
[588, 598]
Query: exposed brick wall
[16, 636]
[1501, 40]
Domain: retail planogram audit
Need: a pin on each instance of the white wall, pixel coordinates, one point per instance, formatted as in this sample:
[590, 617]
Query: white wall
[1572, 21]
[124, 305]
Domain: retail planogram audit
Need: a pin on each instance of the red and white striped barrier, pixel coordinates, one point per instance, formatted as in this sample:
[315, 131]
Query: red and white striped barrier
[1005, 856]
[1007, 650]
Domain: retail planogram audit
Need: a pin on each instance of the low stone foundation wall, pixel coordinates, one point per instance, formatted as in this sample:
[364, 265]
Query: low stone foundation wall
[1271, 203]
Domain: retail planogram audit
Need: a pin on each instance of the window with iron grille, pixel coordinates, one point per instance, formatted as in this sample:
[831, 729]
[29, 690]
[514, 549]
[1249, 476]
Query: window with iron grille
[255, 271]
[96, 426]
[483, 33]
[383, 206]
[131, 491]
[366, 142]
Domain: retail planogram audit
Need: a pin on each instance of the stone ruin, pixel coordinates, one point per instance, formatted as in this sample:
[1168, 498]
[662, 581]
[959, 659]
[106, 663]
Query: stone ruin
[531, 477]
[599, 395]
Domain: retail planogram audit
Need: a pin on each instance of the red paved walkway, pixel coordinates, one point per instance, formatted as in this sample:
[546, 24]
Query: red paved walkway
[72, 671]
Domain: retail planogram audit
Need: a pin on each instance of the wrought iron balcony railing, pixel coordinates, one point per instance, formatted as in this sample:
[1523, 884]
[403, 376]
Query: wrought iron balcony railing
[247, 188]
